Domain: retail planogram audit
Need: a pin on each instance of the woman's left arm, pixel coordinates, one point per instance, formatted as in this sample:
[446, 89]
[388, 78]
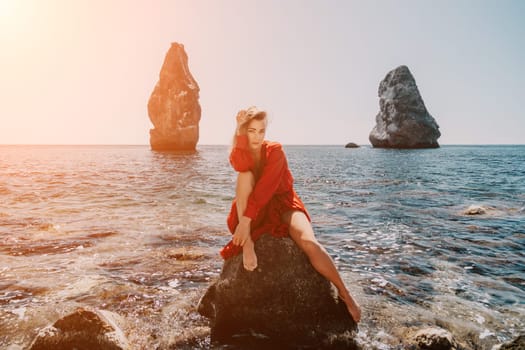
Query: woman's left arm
[263, 191]
[268, 183]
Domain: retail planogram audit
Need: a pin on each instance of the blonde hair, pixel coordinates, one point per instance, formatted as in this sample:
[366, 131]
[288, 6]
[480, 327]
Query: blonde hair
[244, 117]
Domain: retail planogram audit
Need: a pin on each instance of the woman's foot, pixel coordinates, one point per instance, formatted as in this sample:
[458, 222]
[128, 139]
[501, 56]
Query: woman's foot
[353, 308]
[249, 259]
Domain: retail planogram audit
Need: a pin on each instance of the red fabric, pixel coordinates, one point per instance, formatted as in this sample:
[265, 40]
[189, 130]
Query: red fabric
[272, 196]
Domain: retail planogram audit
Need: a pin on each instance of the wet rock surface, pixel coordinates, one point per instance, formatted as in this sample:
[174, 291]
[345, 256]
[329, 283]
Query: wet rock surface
[516, 344]
[82, 330]
[475, 210]
[403, 120]
[434, 339]
[284, 302]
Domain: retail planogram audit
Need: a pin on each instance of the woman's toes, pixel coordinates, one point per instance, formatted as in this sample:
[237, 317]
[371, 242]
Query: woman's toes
[250, 262]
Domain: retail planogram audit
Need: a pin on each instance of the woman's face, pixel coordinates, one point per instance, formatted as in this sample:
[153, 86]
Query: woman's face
[256, 130]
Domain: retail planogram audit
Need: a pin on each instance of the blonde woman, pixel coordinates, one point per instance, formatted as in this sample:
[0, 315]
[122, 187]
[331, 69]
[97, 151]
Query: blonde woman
[266, 202]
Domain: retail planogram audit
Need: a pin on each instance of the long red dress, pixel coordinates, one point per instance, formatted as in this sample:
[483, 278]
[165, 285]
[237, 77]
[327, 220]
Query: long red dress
[272, 196]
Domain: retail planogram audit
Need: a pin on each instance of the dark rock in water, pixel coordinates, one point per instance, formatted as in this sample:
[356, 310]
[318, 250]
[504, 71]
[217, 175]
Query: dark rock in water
[403, 120]
[475, 210]
[351, 145]
[174, 107]
[516, 344]
[435, 339]
[285, 301]
[82, 330]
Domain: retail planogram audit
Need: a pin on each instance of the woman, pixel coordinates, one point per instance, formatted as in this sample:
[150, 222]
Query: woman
[265, 202]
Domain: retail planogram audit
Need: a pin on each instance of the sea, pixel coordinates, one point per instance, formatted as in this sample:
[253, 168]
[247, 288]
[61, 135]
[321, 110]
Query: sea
[138, 233]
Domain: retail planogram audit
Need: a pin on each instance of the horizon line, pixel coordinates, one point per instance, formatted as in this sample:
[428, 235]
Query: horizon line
[224, 144]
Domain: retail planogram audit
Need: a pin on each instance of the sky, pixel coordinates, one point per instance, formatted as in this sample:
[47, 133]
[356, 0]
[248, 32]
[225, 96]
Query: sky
[82, 71]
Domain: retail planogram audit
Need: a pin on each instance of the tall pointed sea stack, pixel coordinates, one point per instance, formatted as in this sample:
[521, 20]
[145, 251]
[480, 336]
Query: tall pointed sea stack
[403, 120]
[173, 106]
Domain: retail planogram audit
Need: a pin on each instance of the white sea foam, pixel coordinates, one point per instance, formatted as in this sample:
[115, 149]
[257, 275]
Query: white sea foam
[486, 333]
[20, 312]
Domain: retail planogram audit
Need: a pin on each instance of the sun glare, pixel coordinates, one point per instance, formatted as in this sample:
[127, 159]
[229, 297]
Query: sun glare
[16, 21]
[7, 9]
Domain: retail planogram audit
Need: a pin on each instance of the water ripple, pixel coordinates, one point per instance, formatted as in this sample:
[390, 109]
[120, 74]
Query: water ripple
[138, 232]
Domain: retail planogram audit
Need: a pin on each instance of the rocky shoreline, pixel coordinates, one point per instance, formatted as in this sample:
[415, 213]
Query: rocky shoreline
[283, 304]
[88, 328]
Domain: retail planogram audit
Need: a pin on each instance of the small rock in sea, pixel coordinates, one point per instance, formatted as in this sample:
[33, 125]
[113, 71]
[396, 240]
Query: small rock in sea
[82, 329]
[285, 301]
[403, 120]
[351, 145]
[516, 344]
[475, 210]
[434, 339]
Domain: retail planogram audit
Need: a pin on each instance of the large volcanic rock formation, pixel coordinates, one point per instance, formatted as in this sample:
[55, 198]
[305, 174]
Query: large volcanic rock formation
[403, 120]
[173, 107]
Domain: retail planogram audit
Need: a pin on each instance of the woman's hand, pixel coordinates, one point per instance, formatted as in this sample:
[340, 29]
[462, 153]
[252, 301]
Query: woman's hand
[242, 117]
[242, 231]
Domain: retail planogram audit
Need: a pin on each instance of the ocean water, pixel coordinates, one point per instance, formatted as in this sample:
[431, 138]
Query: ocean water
[138, 232]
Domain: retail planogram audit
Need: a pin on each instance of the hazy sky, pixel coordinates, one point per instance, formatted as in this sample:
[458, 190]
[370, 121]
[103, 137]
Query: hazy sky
[82, 71]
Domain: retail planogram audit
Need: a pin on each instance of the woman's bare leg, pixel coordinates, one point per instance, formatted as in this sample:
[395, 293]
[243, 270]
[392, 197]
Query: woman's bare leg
[302, 233]
[245, 184]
